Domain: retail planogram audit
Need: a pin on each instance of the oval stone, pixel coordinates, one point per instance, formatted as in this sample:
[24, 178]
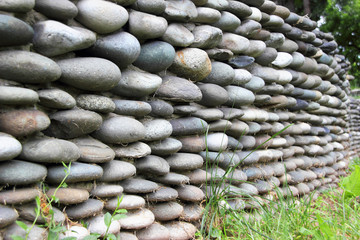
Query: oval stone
[192, 63]
[56, 98]
[184, 161]
[190, 193]
[167, 211]
[73, 123]
[213, 95]
[178, 90]
[206, 37]
[53, 38]
[188, 126]
[120, 130]
[155, 231]
[106, 190]
[27, 212]
[97, 225]
[122, 48]
[133, 150]
[155, 56]
[13, 31]
[18, 196]
[165, 147]
[157, 129]
[10, 147]
[184, 11]
[101, 16]
[132, 108]
[155, 7]
[239, 96]
[172, 179]
[178, 35]
[8, 215]
[163, 194]
[89, 73]
[50, 150]
[77, 232]
[181, 230]
[78, 172]
[61, 10]
[221, 74]
[95, 103]
[152, 165]
[137, 83]
[128, 202]
[17, 96]
[28, 67]
[69, 196]
[160, 108]
[146, 26]
[137, 219]
[236, 43]
[93, 151]
[206, 15]
[35, 233]
[16, 172]
[138, 185]
[228, 22]
[116, 170]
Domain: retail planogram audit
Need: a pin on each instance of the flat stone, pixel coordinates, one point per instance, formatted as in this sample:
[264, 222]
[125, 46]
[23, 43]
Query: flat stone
[255, 84]
[193, 144]
[276, 40]
[188, 126]
[239, 96]
[167, 211]
[62, 10]
[228, 22]
[180, 230]
[206, 36]
[267, 56]
[97, 225]
[133, 150]
[185, 109]
[192, 212]
[184, 161]
[17, 96]
[7, 216]
[192, 63]
[132, 108]
[240, 9]
[217, 4]
[27, 212]
[18, 196]
[176, 11]
[79, 172]
[190, 193]
[53, 38]
[127, 236]
[172, 179]
[165, 147]
[21, 6]
[95, 103]
[212, 95]
[241, 61]
[237, 44]
[137, 185]
[28, 67]
[146, 26]
[237, 130]
[56, 98]
[155, 7]
[10, 147]
[242, 76]
[35, 233]
[69, 196]
[163, 194]
[199, 176]
[217, 141]
[128, 202]
[256, 48]
[89, 73]
[101, 16]
[178, 90]
[221, 74]
[155, 231]
[122, 48]
[219, 54]
[157, 129]
[137, 219]
[14, 31]
[160, 108]
[16, 172]
[178, 35]
[106, 190]
[283, 60]
[248, 189]
[152, 164]
[155, 56]
[209, 114]
[75, 231]
[73, 123]
[120, 130]
[116, 170]
[137, 83]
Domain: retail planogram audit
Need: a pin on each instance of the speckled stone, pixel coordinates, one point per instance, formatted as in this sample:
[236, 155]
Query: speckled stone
[155, 231]
[237, 44]
[18, 196]
[146, 26]
[184, 161]
[10, 147]
[161, 108]
[50, 150]
[128, 202]
[61, 10]
[180, 11]
[165, 147]
[56, 98]
[116, 170]
[137, 219]
[166, 211]
[239, 96]
[95, 103]
[16, 172]
[7, 216]
[14, 31]
[138, 185]
[188, 126]
[191, 63]
[69, 196]
[157, 129]
[152, 164]
[221, 74]
[180, 230]
[28, 67]
[178, 35]
[106, 190]
[132, 150]
[206, 36]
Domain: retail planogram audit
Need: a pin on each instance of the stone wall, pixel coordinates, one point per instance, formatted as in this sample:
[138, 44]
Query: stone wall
[151, 99]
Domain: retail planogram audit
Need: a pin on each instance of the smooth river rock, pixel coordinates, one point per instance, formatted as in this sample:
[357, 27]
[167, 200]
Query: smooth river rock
[14, 31]
[10, 147]
[56, 98]
[116, 170]
[16, 172]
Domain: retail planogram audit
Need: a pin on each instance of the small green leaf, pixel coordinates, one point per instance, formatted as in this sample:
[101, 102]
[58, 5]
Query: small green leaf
[93, 236]
[111, 237]
[69, 238]
[37, 200]
[121, 211]
[64, 185]
[107, 219]
[14, 237]
[118, 216]
[22, 225]
[351, 184]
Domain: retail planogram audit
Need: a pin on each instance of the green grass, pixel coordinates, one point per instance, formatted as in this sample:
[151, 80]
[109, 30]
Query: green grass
[333, 214]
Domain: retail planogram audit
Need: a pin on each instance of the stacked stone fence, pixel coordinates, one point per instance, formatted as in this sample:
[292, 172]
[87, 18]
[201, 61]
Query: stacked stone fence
[152, 99]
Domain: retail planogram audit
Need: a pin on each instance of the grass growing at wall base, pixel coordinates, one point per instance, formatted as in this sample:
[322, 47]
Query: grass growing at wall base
[332, 214]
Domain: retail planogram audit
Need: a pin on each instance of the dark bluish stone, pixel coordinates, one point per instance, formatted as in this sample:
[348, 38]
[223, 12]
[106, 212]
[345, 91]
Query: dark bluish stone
[241, 61]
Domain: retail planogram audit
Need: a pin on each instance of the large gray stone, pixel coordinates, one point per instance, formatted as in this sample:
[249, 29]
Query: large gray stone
[163, 194]
[28, 212]
[69, 196]
[146, 26]
[160, 108]
[155, 231]
[138, 185]
[93, 151]
[132, 150]
[152, 164]
[61, 10]
[184, 161]
[155, 56]
[178, 35]
[10, 147]
[89, 73]
[53, 38]
[132, 108]
[56, 98]
[212, 95]
[137, 83]
[28, 67]
[155, 7]
[122, 48]
[128, 202]
[8, 215]
[178, 90]
[17, 96]
[221, 74]
[116, 170]
[165, 147]
[188, 126]
[206, 37]
[120, 130]
[21, 6]
[95, 103]
[97, 225]
[16, 172]
[101, 16]
[236, 43]
[228, 22]
[137, 219]
[157, 129]
[14, 31]
[180, 11]
[35, 233]
[50, 150]
[167, 211]
[107, 190]
[180, 230]
[239, 96]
